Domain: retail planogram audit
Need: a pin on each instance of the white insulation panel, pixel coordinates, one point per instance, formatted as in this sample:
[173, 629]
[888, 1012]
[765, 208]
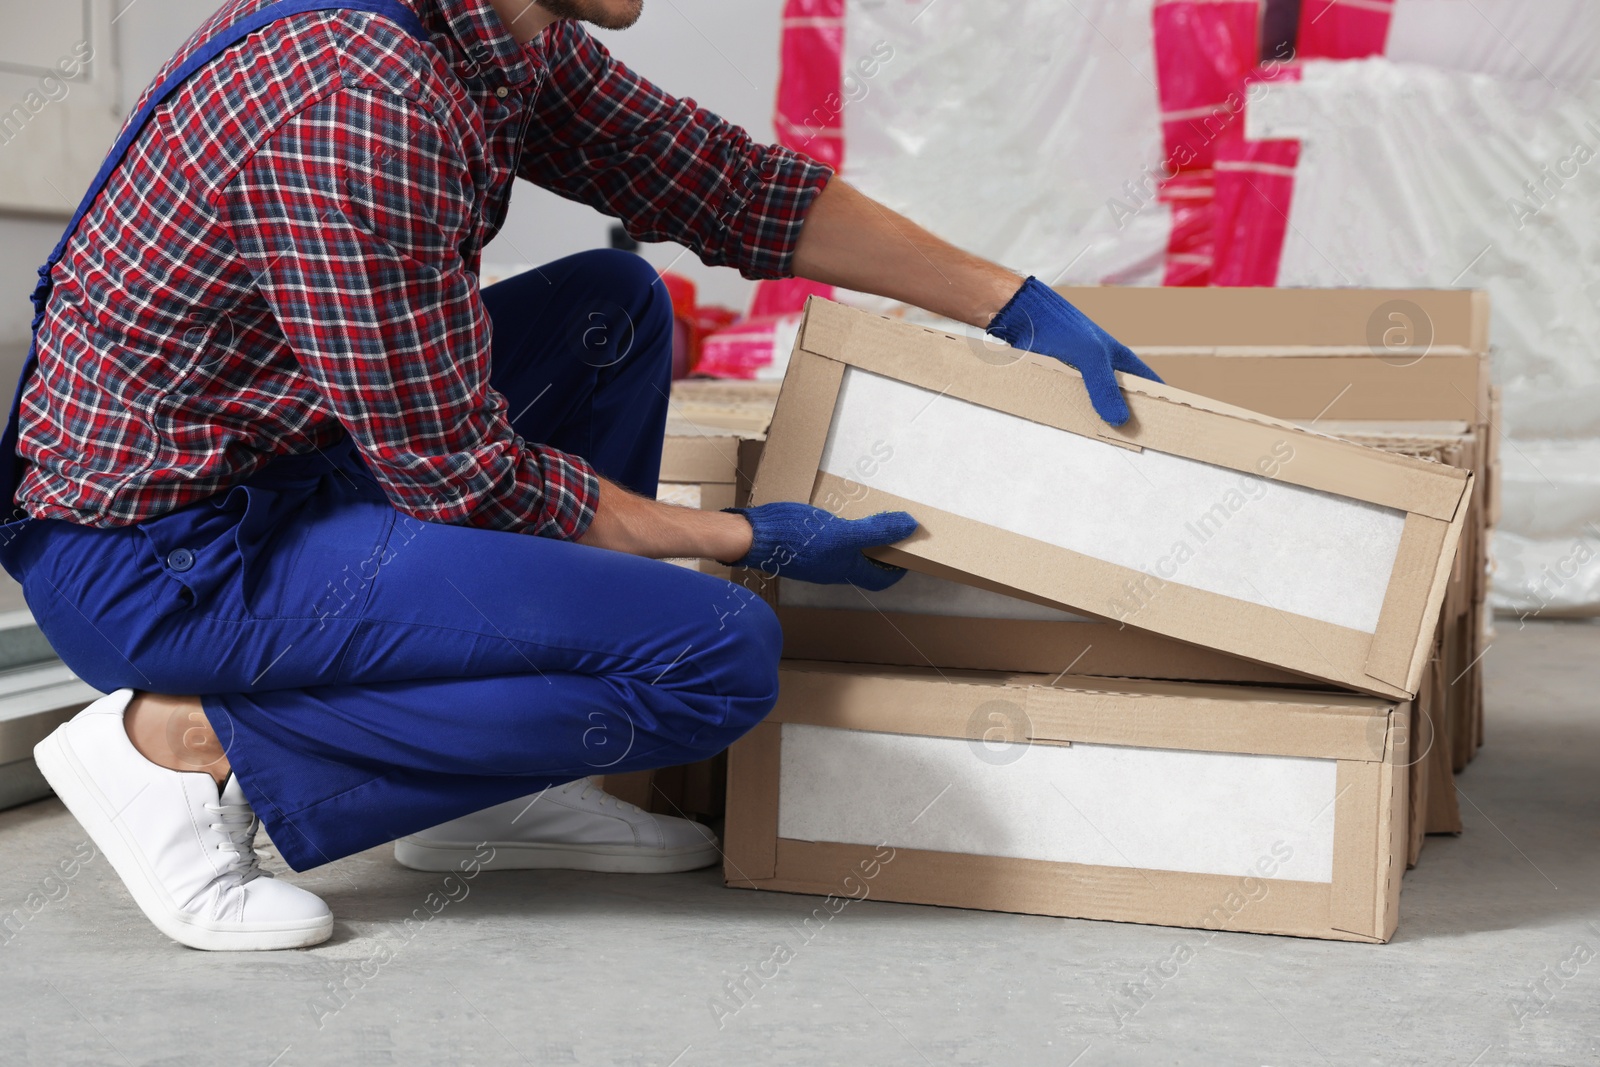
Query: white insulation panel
[1103, 805]
[1300, 551]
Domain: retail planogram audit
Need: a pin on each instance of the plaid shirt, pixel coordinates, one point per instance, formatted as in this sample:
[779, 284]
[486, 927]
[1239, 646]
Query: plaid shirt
[289, 254]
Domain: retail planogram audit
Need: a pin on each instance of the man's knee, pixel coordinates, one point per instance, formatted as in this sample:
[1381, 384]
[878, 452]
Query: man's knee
[749, 644]
[623, 273]
[626, 319]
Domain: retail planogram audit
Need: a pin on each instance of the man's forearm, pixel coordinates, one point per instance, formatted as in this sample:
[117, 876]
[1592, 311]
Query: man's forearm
[627, 522]
[852, 241]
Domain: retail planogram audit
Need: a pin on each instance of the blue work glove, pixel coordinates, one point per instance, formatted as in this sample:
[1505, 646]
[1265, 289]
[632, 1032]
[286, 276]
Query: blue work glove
[810, 545]
[1041, 320]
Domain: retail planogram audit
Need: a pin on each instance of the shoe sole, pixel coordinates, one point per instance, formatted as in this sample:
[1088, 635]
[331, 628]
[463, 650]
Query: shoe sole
[435, 856]
[89, 806]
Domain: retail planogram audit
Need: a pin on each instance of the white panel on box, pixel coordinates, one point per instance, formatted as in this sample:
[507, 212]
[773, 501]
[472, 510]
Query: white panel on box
[921, 594]
[1298, 550]
[1103, 805]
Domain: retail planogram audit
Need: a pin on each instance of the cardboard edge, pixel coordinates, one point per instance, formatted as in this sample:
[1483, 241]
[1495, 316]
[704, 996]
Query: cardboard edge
[1356, 885]
[1311, 647]
[750, 833]
[800, 425]
[1413, 580]
[1394, 791]
[1035, 887]
[1197, 717]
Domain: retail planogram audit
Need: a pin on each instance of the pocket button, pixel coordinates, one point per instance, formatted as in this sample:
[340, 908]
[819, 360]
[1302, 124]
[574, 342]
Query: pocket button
[180, 559]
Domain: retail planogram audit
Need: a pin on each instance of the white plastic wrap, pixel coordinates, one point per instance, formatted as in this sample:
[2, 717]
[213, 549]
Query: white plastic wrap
[1417, 176]
[1007, 127]
[1554, 40]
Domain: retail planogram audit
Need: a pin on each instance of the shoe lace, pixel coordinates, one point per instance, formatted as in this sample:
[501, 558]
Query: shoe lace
[237, 824]
[585, 786]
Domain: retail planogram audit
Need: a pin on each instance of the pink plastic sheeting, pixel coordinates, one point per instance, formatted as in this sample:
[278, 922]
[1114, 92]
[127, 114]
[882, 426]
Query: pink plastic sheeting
[785, 295]
[1254, 187]
[1204, 49]
[744, 350]
[810, 108]
[1190, 250]
[1344, 29]
[809, 118]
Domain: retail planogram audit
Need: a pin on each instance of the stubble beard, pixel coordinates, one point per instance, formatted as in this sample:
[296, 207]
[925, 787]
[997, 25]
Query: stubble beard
[596, 12]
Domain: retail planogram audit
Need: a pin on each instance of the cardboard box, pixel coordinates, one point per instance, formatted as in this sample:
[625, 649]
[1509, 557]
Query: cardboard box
[713, 443]
[1337, 570]
[1334, 353]
[1227, 807]
[1320, 355]
[1459, 445]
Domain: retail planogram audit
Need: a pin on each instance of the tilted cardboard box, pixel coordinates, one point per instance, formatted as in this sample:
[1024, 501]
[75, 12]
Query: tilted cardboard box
[1197, 521]
[1221, 807]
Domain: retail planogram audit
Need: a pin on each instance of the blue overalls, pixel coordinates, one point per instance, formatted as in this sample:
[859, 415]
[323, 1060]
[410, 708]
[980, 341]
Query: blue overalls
[371, 674]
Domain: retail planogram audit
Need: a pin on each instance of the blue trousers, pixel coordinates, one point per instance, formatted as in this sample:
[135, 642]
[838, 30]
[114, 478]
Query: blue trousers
[371, 674]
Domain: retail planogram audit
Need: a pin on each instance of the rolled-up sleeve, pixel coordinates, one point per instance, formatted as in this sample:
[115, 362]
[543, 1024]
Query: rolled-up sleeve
[352, 217]
[668, 169]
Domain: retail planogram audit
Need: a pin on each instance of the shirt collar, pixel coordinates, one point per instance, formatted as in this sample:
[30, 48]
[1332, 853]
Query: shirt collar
[489, 52]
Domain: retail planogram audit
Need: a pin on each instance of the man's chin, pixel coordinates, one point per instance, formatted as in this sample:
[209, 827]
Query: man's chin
[606, 14]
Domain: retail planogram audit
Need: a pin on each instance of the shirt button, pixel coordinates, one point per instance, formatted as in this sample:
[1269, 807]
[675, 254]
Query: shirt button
[501, 92]
[180, 559]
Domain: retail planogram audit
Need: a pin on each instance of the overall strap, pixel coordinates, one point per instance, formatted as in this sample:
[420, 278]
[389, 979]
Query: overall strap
[229, 35]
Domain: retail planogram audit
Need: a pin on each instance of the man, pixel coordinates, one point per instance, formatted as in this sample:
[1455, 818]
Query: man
[357, 548]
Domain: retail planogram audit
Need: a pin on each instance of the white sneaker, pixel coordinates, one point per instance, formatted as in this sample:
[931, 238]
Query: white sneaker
[184, 848]
[576, 826]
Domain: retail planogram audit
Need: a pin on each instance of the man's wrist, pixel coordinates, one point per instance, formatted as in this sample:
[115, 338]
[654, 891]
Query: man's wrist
[626, 522]
[734, 537]
[1001, 293]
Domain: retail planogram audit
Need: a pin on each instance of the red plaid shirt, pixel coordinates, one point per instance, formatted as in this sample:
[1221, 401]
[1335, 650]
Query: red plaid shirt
[289, 253]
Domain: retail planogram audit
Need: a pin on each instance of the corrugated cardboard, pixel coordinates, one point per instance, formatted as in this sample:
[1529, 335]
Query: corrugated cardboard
[1347, 362]
[713, 444]
[1388, 661]
[863, 632]
[1365, 737]
[1338, 353]
[1325, 355]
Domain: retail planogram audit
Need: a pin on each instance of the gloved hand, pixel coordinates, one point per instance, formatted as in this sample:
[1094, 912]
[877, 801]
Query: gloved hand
[810, 545]
[1041, 320]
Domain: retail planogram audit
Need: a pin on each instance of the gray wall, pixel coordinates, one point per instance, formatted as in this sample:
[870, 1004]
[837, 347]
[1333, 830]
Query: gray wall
[721, 52]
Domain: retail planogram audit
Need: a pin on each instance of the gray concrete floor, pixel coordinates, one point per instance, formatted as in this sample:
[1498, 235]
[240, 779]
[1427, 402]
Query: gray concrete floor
[569, 968]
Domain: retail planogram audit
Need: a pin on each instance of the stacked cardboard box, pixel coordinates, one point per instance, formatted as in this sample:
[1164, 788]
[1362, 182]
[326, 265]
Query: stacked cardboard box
[1400, 369]
[1056, 675]
[1368, 364]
